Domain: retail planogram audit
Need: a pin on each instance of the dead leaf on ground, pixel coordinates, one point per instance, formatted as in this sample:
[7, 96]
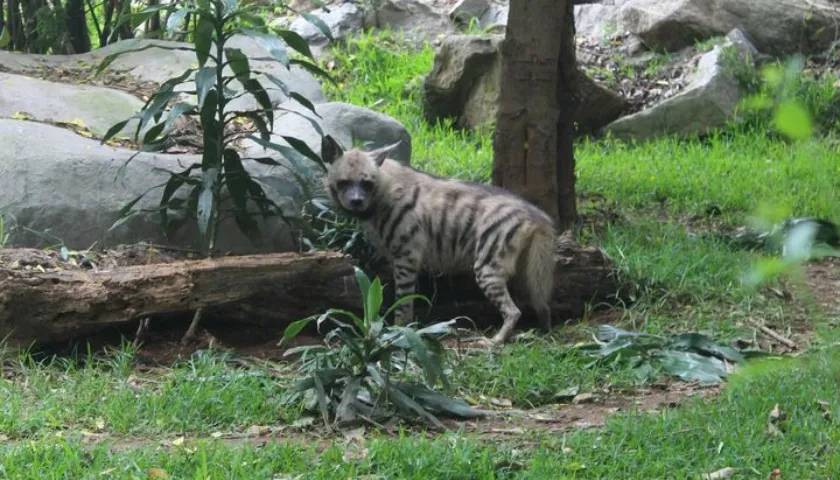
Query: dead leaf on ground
[775, 424]
[720, 474]
[776, 474]
[155, 473]
[826, 409]
[501, 402]
[178, 442]
[585, 397]
[258, 430]
[356, 435]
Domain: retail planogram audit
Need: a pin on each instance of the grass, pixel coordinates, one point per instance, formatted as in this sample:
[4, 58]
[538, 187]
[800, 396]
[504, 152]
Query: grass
[200, 395]
[701, 437]
[377, 70]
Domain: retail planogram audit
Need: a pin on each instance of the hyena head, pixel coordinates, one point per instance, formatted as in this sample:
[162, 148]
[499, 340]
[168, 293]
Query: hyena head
[354, 179]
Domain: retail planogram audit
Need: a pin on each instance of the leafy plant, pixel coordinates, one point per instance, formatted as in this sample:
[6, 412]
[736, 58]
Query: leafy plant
[689, 356]
[366, 369]
[221, 173]
[322, 228]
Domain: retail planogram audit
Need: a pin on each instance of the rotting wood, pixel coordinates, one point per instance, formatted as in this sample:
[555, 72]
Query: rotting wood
[45, 303]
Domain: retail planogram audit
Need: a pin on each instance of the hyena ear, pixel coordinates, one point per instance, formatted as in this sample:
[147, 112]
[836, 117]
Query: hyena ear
[380, 154]
[330, 149]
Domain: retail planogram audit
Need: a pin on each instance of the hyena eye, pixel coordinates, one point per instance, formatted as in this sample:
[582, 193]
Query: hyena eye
[343, 184]
[367, 185]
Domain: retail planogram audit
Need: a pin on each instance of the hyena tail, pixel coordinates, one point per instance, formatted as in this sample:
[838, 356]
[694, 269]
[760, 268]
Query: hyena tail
[539, 273]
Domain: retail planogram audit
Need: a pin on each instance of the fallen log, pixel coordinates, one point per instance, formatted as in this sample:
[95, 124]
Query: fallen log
[44, 299]
[37, 304]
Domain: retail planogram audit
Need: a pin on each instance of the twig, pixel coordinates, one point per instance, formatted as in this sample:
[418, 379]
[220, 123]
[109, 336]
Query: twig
[773, 334]
[142, 328]
[187, 338]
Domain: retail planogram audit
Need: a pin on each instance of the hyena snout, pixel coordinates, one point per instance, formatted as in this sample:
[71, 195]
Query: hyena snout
[356, 197]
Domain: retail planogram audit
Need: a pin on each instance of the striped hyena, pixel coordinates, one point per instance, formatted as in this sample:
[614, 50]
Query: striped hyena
[421, 222]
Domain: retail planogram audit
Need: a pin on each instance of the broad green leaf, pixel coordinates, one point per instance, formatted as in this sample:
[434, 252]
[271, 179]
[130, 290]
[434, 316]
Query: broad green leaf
[699, 343]
[175, 182]
[296, 42]
[239, 64]
[319, 24]
[691, 367]
[345, 411]
[304, 101]
[107, 61]
[322, 399]
[373, 303]
[409, 406]
[313, 69]
[363, 281]
[175, 113]
[126, 210]
[439, 403]
[205, 81]
[793, 120]
[204, 38]
[303, 148]
[295, 328]
[236, 180]
[437, 329]
[405, 299]
[425, 359]
[272, 44]
[115, 129]
[206, 199]
[254, 87]
[153, 133]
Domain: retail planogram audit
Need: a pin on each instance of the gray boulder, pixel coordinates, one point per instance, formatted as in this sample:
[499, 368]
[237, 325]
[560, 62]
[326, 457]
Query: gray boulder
[707, 102]
[596, 21]
[417, 19]
[490, 14]
[67, 189]
[342, 20]
[160, 60]
[91, 107]
[777, 27]
[465, 81]
[349, 124]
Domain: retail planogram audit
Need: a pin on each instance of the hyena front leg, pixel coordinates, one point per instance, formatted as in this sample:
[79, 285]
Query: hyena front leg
[493, 283]
[406, 269]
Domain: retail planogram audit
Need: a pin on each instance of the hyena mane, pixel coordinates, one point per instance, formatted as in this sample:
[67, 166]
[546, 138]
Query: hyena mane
[422, 222]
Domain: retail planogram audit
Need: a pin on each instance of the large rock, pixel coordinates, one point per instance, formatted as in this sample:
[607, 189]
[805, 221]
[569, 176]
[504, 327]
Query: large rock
[465, 80]
[87, 106]
[596, 21]
[706, 103]
[417, 19]
[489, 14]
[460, 64]
[160, 60]
[343, 20]
[349, 124]
[67, 189]
[776, 26]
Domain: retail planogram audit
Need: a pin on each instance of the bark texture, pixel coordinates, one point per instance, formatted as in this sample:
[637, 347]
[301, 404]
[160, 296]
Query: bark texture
[538, 97]
[42, 302]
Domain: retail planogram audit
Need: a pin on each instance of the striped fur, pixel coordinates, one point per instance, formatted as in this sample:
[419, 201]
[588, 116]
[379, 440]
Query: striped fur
[421, 222]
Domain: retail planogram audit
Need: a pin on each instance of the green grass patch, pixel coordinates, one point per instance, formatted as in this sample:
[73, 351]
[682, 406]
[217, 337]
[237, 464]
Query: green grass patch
[203, 394]
[701, 437]
[535, 372]
[378, 71]
[736, 173]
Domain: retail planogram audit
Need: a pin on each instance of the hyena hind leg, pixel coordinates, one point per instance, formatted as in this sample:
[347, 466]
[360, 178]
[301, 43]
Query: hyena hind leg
[494, 285]
[405, 283]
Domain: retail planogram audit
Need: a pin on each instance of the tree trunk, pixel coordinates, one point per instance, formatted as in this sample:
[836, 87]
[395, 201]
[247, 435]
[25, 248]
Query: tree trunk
[107, 21]
[2, 16]
[30, 8]
[154, 22]
[538, 95]
[77, 26]
[18, 38]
